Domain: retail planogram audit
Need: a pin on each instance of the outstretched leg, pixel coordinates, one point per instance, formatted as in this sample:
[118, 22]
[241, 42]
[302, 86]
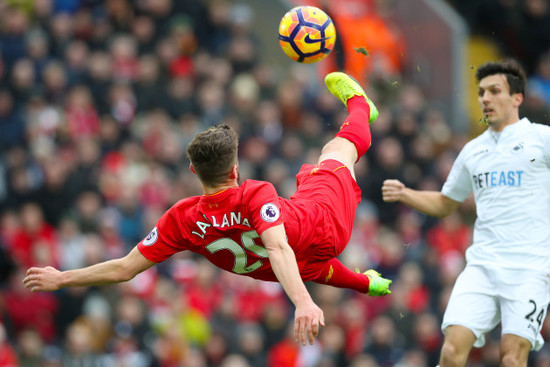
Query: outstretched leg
[353, 139]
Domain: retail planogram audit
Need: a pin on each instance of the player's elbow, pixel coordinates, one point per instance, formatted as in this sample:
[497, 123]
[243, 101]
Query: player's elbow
[124, 272]
[126, 276]
[444, 212]
[447, 207]
[276, 248]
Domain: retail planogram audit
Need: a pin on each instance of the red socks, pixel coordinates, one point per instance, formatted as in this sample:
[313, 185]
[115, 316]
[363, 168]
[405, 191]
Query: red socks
[337, 275]
[356, 127]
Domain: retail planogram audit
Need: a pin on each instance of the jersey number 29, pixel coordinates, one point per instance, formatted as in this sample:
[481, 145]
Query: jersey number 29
[247, 240]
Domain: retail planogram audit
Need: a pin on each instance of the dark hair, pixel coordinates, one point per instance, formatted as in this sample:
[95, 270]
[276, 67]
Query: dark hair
[213, 154]
[515, 75]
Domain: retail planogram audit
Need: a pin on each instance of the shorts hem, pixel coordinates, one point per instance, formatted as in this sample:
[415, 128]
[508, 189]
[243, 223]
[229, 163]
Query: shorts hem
[535, 345]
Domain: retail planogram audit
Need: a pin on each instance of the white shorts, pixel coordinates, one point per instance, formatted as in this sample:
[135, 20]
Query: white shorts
[482, 297]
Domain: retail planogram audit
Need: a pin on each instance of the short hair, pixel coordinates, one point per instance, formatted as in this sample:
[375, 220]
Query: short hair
[512, 69]
[213, 153]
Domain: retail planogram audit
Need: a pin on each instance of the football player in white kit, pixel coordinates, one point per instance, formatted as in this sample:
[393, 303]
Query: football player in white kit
[507, 273]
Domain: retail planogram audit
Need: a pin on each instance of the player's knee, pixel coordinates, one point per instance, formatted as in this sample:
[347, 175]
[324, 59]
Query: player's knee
[451, 355]
[339, 145]
[340, 149]
[512, 360]
[514, 351]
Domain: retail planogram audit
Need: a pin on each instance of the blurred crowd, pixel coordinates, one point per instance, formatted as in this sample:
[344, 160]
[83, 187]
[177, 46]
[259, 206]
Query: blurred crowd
[518, 29]
[98, 101]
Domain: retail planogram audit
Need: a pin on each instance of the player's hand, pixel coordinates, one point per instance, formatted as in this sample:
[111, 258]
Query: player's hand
[42, 279]
[307, 320]
[392, 190]
[378, 286]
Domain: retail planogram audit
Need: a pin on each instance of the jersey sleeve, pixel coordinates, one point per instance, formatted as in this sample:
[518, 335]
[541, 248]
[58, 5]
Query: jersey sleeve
[264, 207]
[458, 184]
[164, 240]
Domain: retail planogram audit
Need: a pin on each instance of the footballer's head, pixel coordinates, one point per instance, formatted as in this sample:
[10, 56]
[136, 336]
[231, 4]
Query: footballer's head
[213, 154]
[510, 69]
[501, 87]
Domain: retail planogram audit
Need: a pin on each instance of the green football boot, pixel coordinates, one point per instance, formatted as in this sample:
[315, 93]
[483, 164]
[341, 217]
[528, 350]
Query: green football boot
[378, 286]
[343, 87]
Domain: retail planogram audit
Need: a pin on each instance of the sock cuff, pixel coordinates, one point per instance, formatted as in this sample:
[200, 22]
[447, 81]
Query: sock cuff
[358, 103]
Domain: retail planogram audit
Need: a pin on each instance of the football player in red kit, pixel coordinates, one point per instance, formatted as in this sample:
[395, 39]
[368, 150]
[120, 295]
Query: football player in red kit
[248, 229]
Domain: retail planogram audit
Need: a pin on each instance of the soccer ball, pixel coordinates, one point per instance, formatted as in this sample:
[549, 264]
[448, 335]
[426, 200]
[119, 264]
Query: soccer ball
[306, 34]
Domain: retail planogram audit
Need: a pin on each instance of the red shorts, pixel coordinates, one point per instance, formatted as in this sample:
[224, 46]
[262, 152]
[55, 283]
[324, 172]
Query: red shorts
[332, 188]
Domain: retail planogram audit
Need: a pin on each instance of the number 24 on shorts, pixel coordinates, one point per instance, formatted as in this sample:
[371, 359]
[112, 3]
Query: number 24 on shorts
[531, 314]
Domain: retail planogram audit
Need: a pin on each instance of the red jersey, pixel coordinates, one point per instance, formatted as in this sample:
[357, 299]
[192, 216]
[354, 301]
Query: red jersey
[225, 227]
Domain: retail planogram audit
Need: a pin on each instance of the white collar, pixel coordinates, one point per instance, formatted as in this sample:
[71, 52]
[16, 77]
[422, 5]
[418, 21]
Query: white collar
[508, 129]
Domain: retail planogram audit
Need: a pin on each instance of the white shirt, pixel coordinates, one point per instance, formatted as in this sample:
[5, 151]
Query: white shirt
[509, 174]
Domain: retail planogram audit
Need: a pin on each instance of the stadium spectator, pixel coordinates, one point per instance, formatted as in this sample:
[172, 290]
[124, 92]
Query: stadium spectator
[8, 357]
[539, 82]
[30, 311]
[12, 122]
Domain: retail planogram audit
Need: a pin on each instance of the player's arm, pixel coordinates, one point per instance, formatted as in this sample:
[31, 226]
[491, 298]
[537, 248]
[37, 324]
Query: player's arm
[308, 315]
[108, 272]
[432, 203]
